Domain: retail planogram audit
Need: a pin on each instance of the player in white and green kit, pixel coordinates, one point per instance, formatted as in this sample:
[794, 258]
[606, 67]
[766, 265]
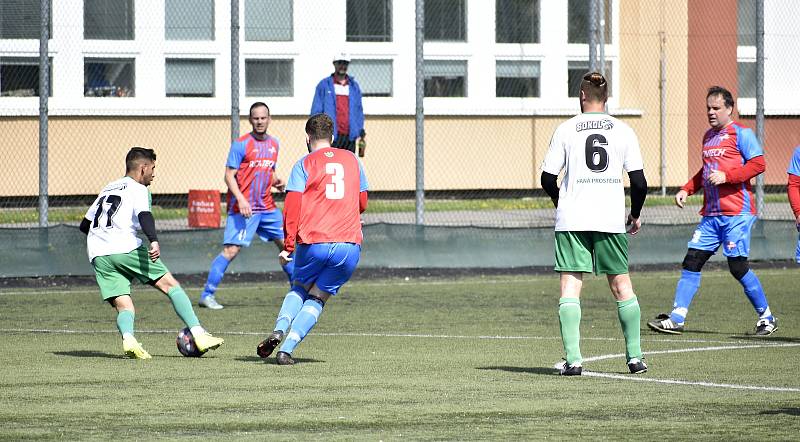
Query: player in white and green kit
[118, 256]
[593, 148]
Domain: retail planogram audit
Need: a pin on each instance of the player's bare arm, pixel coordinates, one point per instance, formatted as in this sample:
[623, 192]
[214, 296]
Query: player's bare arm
[279, 184]
[233, 186]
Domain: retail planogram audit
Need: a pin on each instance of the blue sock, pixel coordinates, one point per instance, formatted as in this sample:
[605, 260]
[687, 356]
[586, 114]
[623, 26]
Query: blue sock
[684, 293]
[292, 304]
[302, 324]
[215, 274]
[289, 269]
[755, 293]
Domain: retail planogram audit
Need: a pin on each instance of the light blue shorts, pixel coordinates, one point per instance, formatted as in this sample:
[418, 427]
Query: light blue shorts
[328, 265]
[239, 231]
[731, 232]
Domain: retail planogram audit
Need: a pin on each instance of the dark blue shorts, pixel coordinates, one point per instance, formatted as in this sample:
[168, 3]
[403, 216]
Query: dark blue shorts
[328, 265]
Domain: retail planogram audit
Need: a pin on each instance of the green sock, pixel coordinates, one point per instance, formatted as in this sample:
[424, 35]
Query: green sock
[569, 316]
[125, 322]
[183, 306]
[630, 317]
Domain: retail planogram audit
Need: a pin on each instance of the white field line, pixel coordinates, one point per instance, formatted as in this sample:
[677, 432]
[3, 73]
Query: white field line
[389, 282]
[585, 373]
[695, 383]
[679, 382]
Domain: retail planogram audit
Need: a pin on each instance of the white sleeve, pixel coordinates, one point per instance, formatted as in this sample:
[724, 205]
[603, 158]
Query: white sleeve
[556, 155]
[92, 210]
[141, 200]
[633, 154]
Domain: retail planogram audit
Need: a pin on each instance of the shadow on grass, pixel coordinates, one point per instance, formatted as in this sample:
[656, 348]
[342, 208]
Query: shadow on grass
[87, 354]
[271, 360]
[789, 411]
[768, 339]
[549, 371]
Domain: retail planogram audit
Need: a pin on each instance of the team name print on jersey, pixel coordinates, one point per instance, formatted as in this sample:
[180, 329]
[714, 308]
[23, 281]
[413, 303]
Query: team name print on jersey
[604, 124]
[262, 164]
[712, 153]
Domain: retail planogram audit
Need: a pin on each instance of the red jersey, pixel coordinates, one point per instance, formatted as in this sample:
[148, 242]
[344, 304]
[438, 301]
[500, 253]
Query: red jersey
[255, 161]
[331, 182]
[728, 150]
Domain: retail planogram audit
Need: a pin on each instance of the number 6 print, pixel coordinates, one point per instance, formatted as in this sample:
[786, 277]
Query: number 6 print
[596, 154]
[335, 190]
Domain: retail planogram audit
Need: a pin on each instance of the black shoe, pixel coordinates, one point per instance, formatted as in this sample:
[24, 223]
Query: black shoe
[637, 366]
[663, 324]
[765, 327]
[283, 358]
[565, 369]
[267, 346]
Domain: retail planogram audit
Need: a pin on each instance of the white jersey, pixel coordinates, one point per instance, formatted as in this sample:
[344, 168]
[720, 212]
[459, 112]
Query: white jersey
[114, 218]
[593, 149]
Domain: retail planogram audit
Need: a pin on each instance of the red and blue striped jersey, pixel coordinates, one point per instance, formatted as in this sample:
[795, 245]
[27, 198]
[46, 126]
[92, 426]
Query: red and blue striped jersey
[726, 149]
[255, 161]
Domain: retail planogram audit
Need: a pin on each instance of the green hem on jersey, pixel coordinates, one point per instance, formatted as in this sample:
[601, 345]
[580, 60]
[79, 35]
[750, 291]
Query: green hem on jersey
[114, 273]
[591, 252]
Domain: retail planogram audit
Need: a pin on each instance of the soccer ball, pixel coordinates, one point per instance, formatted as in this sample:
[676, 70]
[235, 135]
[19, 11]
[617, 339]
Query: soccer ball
[186, 344]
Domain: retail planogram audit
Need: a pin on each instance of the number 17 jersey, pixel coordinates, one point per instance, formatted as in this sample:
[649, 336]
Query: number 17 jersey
[593, 149]
[330, 181]
[114, 218]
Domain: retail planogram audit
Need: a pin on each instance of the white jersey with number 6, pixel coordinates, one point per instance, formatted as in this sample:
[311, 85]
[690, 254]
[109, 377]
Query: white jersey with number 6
[593, 149]
[114, 218]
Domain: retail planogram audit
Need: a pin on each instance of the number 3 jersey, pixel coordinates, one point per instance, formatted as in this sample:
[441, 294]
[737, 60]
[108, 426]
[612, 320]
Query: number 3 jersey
[593, 149]
[330, 181]
[114, 218]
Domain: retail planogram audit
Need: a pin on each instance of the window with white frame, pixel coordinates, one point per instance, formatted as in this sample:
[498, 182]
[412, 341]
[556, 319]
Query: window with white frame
[189, 19]
[268, 20]
[19, 77]
[517, 21]
[746, 40]
[189, 78]
[108, 20]
[515, 78]
[369, 20]
[108, 77]
[746, 74]
[578, 12]
[20, 19]
[445, 78]
[269, 78]
[445, 20]
[576, 69]
[374, 77]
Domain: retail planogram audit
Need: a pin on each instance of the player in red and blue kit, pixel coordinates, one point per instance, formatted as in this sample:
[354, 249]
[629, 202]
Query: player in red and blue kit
[326, 194]
[731, 157]
[793, 190]
[250, 176]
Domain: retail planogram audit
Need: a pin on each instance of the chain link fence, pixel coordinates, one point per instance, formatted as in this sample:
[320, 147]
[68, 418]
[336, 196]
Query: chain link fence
[499, 76]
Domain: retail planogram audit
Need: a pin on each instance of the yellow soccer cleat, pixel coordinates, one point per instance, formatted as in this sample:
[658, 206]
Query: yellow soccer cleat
[133, 349]
[206, 342]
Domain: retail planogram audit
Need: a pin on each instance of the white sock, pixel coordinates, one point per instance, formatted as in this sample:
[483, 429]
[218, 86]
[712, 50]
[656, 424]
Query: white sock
[197, 330]
[126, 336]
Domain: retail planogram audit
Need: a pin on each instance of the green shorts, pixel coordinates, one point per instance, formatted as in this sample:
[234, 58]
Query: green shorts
[114, 273]
[601, 252]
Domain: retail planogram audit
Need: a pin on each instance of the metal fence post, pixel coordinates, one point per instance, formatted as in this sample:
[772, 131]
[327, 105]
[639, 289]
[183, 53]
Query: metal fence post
[44, 93]
[234, 69]
[663, 111]
[593, 35]
[760, 97]
[419, 115]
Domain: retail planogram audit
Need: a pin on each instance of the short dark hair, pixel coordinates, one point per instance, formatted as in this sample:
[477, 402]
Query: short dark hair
[726, 95]
[319, 127]
[595, 87]
[258, 104]
[136, 155]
